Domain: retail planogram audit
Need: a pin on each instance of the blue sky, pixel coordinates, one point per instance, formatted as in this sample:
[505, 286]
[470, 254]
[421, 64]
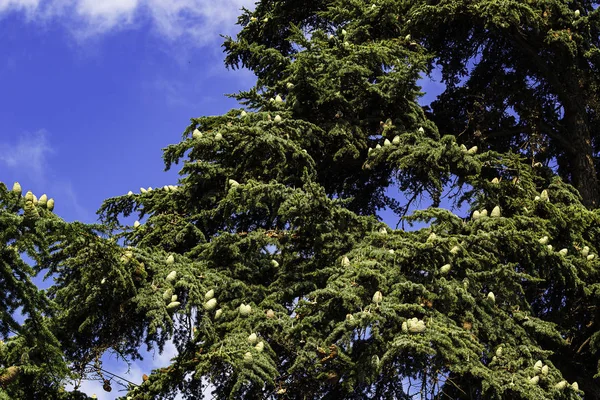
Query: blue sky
[92, 90]
[91, 94]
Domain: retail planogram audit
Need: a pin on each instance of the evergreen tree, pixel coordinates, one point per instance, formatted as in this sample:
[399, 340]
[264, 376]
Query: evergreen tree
[520, 74]
[266, 263]
[31, 359]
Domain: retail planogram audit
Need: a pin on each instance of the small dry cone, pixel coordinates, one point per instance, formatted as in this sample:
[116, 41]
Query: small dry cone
[9, 375]
[270, 314]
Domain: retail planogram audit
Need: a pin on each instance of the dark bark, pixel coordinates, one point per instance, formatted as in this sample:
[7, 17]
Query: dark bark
[577, 139]
[580, 153]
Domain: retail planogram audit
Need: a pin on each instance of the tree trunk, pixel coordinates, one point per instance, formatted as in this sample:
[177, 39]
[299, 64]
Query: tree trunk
[583, 171]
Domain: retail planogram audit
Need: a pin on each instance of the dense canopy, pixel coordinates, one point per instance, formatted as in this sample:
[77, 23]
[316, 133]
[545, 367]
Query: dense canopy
[266, 263]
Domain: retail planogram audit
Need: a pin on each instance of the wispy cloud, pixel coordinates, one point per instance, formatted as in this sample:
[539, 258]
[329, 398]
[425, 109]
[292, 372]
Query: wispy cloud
[66, 198]
[28, 154]
[197, 22]
[27, 159]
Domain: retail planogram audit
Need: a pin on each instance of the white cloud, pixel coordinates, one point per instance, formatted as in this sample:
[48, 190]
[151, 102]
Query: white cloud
[94, 387]
[106, 8]
[66, 197]
[196, 22]
[27, 159]
[28, 154]
[26, 5]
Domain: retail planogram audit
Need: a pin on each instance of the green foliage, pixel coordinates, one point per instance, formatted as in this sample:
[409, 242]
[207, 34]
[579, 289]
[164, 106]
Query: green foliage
[31, 357]
[266, 264]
